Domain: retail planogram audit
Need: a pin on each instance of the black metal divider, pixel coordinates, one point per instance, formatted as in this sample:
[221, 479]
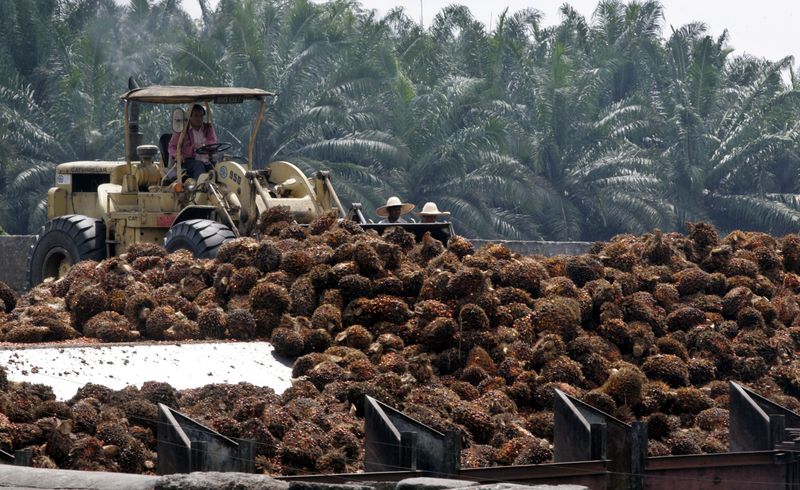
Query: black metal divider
[394, 441]
[584, 433]
[184, 445]
[759, 424]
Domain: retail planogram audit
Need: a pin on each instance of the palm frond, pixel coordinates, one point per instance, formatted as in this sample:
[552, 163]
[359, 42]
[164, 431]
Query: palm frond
[775, 214]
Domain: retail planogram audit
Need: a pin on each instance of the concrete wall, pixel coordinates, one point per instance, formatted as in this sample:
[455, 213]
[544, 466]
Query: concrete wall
[14, 251]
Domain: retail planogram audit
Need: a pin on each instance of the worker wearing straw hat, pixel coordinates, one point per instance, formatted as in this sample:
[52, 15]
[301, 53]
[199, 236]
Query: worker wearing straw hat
[430, 213]
[393, 211]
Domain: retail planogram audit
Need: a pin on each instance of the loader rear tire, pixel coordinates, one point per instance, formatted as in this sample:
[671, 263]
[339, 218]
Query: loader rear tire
[202, 237]
[63, 242]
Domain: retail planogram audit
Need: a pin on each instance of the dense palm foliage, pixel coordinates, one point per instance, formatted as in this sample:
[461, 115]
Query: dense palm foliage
[573, 131]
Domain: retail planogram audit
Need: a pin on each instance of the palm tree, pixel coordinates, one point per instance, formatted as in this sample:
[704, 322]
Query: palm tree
[593, 177]
[457, 132]
[65, 111]
[753, 162]
[324, 114]
[728, 136]
[625, 46]
[27, 145]
[460, 160]
[578, 130]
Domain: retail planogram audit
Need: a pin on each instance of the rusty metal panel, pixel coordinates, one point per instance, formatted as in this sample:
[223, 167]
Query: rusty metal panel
[737, 471]
[761, 470]
[755, 477]
[752, 458]
[593, 474]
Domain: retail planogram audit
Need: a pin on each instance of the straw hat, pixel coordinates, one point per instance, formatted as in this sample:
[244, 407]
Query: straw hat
[430, 209]
[392, 202]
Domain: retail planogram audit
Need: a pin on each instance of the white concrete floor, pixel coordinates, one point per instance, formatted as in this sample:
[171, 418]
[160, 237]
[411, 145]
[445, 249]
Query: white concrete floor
[182, 365]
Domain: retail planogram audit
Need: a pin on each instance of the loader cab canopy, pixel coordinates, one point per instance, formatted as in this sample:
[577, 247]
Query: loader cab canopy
[174, 94]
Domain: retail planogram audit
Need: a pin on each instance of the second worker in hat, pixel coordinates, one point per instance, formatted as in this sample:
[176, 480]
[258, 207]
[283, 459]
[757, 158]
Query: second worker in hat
[430, 213]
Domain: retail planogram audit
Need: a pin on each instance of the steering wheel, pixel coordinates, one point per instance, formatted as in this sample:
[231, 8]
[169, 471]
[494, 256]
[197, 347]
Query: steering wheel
[212, 148]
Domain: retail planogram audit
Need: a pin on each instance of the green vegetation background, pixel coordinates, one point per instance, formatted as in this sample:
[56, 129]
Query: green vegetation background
[574, 131]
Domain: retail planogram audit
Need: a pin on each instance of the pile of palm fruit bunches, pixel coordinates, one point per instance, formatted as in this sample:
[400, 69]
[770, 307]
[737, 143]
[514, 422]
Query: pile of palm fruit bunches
[643, 327]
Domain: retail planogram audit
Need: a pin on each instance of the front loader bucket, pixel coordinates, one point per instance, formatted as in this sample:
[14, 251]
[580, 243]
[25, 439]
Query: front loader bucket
[439, 231]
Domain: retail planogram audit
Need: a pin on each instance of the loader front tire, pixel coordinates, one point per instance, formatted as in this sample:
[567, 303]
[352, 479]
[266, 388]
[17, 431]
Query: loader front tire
[202, 237]
[65, 241]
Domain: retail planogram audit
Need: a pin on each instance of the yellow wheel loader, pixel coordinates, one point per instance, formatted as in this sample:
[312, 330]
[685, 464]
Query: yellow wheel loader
[98, 209]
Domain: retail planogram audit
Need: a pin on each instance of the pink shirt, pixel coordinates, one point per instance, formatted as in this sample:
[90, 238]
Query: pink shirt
[188, 147]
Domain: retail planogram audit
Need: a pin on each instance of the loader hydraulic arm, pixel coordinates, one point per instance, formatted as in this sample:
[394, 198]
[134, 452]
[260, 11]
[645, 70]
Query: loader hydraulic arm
[222, 204]
[326, 195]
[252, 176]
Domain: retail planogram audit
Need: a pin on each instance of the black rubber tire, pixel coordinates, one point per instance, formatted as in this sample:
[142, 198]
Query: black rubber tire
[73, 238]
[202, 237]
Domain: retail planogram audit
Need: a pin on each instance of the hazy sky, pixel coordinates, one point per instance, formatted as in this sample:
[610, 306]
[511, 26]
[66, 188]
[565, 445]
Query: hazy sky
[762, 28]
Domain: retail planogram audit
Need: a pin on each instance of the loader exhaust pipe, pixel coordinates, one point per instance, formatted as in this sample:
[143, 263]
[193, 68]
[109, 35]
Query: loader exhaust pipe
[133, 125]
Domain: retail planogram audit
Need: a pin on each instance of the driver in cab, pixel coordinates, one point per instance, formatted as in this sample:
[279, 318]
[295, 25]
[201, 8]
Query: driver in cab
[198, 134]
